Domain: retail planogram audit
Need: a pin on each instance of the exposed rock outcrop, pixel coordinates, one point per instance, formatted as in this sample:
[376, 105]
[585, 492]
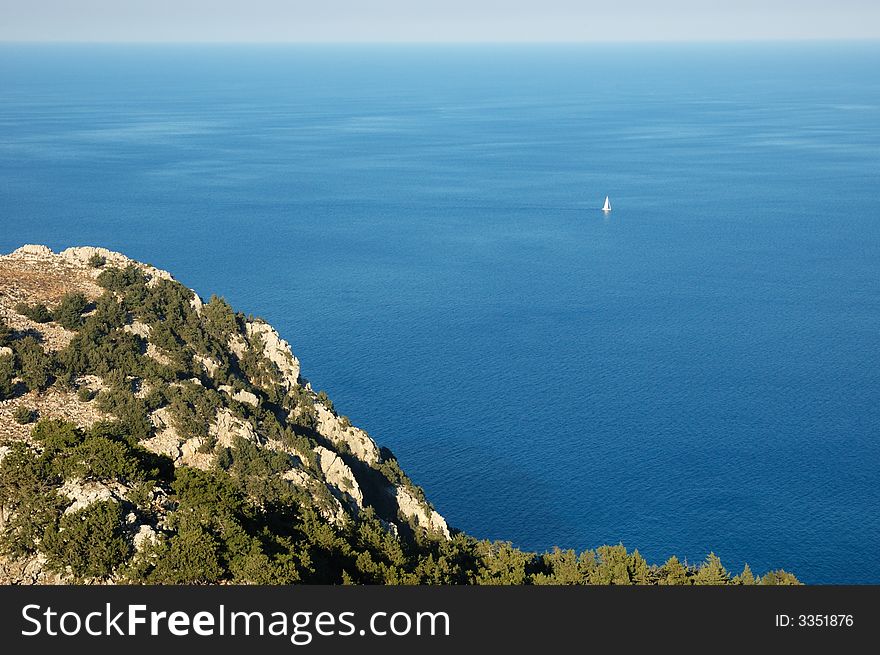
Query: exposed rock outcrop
[84, 493]
[337, 473]
[424, 516]
[344, 435]
[334, 463]
[276, 350]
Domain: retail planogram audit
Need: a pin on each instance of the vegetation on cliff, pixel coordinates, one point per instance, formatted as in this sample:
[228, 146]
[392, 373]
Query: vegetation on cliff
[212, 461]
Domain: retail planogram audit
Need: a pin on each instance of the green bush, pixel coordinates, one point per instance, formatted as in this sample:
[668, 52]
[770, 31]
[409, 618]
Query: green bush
[89, 541]
[24, 415]
[35, 364]
[193, 408]
[191, 556]
[85, 394]
[69, 311]
[56, 434]
[5, 333]
[325, 400]
[97, 351]
[97, 261]
[712, 572]
[122, 279]
[100, 458]
[38, 312]
[220, 320]
[7, 376]
[28, 500]
[129, 410]
[779, 577]
[673, 572]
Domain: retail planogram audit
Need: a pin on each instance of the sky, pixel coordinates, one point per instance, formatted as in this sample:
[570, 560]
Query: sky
[436, 20]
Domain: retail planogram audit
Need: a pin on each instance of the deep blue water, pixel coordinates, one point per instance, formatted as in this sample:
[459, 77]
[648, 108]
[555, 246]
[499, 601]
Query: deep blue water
[696, 371]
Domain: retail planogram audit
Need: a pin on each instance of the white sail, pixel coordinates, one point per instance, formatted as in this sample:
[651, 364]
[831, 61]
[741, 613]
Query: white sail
[607, 206]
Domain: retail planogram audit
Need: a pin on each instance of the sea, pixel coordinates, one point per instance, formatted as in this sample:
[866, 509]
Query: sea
[696, 371]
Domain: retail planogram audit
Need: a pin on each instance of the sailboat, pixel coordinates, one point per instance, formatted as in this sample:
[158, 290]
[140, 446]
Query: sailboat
[607, 206]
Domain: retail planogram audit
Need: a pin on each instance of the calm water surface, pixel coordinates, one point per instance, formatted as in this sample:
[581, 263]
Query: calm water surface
[696, 371]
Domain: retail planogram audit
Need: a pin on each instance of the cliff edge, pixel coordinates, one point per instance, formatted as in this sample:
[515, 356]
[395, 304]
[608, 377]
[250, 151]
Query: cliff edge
[99, 343]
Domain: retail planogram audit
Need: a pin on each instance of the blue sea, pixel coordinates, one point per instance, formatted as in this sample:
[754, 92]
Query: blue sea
[696, 371]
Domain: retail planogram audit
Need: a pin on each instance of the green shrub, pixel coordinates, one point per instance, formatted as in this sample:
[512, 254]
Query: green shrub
[712, 572]
[34, 363]
[95, 350]
[150, 465]
[97, 261]
[7, 376]
[248, 460]
[325, 400]
[121, 279]
[673, 572]
[24, 415]
[193, 408]
[101, 458]
[220, 320]
[779, 577]
[56, 437]
[129, 410]
[38, 312]
[89, 541]
[5, 333]
[191, 556]
[69, 311]
[85, 394]
[28, 500]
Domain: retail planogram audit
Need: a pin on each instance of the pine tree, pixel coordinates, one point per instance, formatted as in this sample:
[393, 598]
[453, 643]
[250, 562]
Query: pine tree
[746, 577]
[712, 572]
[673, 573]
[639, 572]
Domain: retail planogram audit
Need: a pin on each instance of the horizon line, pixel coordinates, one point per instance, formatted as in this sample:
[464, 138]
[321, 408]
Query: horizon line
[808, 39]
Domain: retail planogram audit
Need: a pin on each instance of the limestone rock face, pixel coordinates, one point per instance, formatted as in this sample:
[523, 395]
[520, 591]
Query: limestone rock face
[82, 255]
[353, 439]
[276, 350]
[337, 473]
[332, 510]
[424, 516]
[84, 493]
[227, 427]
[241, 396]
[208, 364]
[191, 454]
[30, 570]
[144, 537]
[165, 441]
[30, 249]
[138, 328]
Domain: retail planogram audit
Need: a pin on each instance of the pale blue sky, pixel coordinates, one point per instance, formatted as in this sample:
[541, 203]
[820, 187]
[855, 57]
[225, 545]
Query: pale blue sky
[436, 20]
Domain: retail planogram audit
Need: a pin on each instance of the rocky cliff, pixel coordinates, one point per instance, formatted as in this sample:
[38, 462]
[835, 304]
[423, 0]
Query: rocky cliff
[150, 437]
[214, 387]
